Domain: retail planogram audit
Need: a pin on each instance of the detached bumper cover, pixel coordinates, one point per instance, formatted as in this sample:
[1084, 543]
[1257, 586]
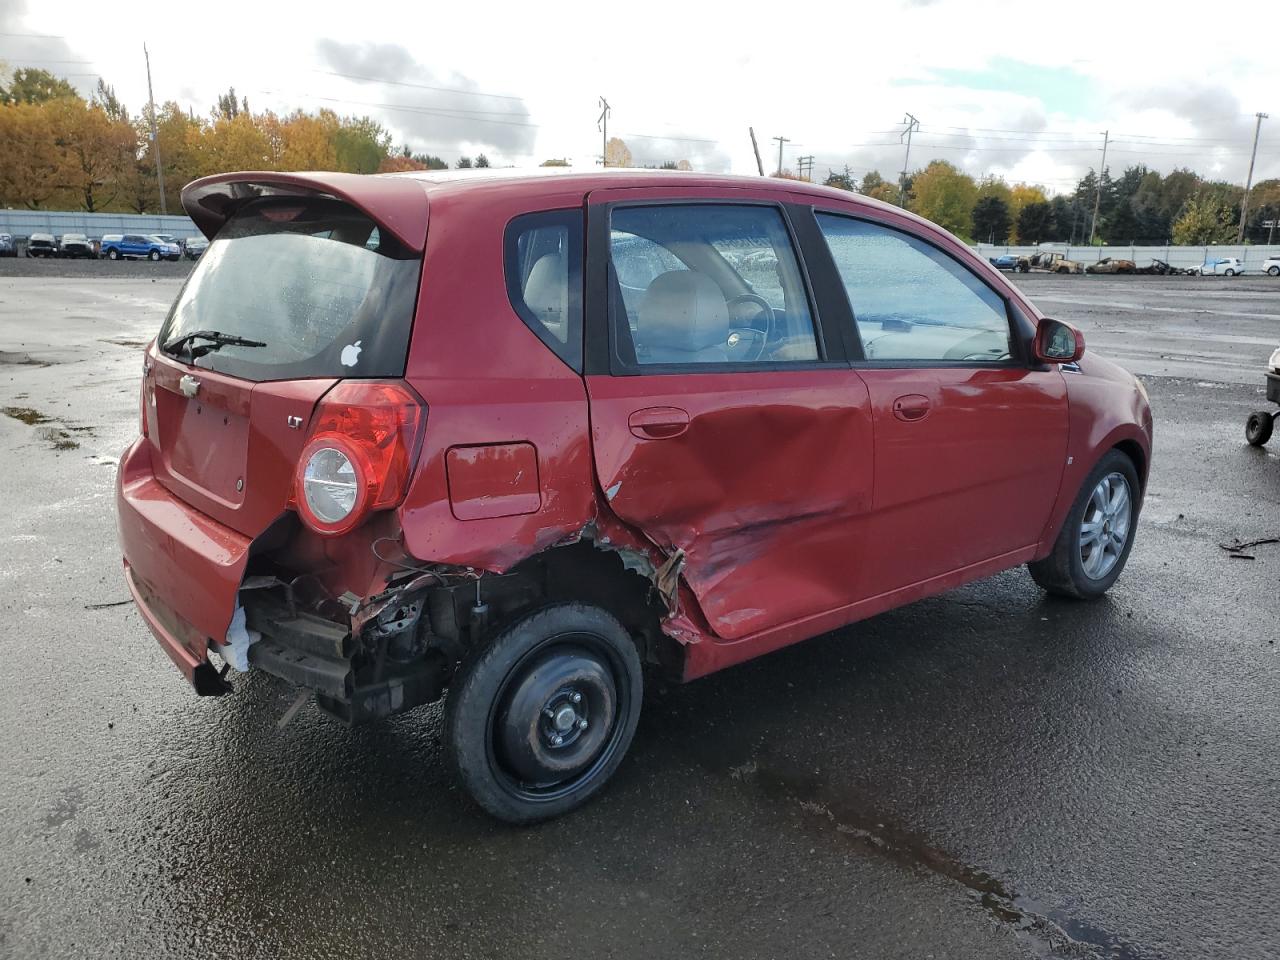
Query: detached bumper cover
[1273, 387]
[183, 568]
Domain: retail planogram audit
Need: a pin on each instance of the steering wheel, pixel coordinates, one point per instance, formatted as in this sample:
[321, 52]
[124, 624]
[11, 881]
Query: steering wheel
[760, 336]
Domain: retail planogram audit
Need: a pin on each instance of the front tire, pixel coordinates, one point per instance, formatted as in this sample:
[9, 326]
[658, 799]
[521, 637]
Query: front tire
[1097, 534]
[113, 254]
[154, 256]
[540, 717]
[1273, 271]
[1257, 429]
[1230, 272]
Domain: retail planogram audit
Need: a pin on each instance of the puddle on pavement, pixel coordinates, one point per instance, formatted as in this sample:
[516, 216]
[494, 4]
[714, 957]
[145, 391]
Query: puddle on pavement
[1049, 932]
[21, 359]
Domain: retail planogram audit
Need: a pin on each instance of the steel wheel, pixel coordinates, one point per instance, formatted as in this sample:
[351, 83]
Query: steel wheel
[540, 716]
[1104, 529]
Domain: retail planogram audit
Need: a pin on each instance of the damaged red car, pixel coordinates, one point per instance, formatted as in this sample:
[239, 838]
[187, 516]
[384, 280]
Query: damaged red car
[518, 441]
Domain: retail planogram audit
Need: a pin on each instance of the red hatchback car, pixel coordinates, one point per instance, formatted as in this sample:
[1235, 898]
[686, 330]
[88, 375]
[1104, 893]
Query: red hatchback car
[518, 437]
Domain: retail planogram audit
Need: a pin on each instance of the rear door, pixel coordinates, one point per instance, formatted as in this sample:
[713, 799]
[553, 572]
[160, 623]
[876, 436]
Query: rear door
[324, 296]
[726, 421]
[970, 438]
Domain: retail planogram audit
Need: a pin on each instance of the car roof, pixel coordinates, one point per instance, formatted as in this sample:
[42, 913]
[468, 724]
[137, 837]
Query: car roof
[399, 201]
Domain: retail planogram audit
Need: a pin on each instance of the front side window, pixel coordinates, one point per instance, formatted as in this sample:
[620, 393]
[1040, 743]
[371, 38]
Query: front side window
[543, 262]
[297, 277]
[911, 301]
[707, 284]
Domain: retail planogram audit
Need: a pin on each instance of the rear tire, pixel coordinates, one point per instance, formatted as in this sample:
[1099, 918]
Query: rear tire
[1229, 272]
[113, 254]
[1083, 566]
[539, 718]
[1257, 429]
[154, 256]
[1273, 271]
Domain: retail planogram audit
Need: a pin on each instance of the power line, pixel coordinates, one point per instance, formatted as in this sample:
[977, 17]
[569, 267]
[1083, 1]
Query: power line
[1248, 183]
[417, 86]
[781, 141]
[912, 125]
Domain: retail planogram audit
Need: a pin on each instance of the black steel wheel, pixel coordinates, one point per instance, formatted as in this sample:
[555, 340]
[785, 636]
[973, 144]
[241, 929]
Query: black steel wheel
[1257, 429]
[539, 718]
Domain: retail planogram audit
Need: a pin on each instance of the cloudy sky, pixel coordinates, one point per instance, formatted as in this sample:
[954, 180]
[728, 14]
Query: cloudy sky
[1007, 88]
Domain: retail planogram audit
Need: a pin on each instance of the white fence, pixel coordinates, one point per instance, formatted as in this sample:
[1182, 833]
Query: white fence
[1175, 256]
[23, 223]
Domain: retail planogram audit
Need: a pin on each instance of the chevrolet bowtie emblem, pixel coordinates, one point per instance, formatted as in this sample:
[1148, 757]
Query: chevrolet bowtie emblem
[190, 385]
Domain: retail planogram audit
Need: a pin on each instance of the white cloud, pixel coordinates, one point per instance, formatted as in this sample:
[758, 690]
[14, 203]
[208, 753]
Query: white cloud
[831, 76]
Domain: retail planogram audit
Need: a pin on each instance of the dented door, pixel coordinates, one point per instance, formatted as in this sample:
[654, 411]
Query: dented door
[760, 472]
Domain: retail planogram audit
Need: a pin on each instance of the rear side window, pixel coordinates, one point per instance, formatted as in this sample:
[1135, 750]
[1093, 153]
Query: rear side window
[707, 284]
[314, 281]
[543, 261]
[911, 301]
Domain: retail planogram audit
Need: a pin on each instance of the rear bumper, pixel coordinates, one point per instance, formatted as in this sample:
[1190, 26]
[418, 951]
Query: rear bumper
[182, 568]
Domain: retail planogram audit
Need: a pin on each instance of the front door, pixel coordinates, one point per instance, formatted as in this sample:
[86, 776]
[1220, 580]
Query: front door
[970, 439]
[726, 422]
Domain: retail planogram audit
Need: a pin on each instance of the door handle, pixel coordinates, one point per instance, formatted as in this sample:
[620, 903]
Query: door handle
[913, 406]
[658, 423]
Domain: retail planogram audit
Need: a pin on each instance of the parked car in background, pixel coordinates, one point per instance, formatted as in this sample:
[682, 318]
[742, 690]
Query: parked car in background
[1161, 268]
[1006, 261]
[137, 246]
[1222, 267]
[1271, 266]
[1108, 265]
[42, 245]
[636, 454]
[75, 245]
[8, 248]
[1257, 429]
[193, 247]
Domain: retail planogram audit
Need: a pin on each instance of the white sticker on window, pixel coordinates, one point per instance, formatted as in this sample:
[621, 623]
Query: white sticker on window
[351, 354]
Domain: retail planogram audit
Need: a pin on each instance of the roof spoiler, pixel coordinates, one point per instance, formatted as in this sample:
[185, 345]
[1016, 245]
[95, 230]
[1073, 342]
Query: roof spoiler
[396, 204]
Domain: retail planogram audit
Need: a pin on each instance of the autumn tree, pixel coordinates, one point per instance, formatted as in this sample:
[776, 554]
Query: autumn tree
[617, 153]
[1205, 219]
[29, 160]
[1020, 195]
[400, 164]
[946, 196]
[554, 163]
[33, 85]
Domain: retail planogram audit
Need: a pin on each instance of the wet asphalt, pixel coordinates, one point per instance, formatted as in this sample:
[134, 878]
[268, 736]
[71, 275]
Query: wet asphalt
[987, 774]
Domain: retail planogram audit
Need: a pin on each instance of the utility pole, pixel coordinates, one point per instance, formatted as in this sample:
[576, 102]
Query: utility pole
[912, 125]
[155, 139]
[602, 124]
[1097, 197]
[1271, 233]
[781, 141]
[1248, 182]
[755, 148]
[804, 167]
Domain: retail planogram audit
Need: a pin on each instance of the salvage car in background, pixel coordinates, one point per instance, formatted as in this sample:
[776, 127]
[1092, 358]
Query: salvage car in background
[1271, 266]
[42, 245]
[1006, 261]
[1257, 429]
[1108, 265]
[8, 248]
[1048, 261]
[193, 247]
[1222, 267]
[75, 245]
[1161, 268]
[635, 454]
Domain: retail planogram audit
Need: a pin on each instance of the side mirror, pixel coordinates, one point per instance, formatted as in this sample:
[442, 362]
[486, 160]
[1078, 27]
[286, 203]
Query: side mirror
[1058, 342]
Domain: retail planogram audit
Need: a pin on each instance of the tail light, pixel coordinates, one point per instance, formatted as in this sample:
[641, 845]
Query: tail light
[144, 392]
[358, 456]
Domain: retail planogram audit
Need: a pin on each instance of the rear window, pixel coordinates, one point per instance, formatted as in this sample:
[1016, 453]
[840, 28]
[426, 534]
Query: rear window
[316, 282]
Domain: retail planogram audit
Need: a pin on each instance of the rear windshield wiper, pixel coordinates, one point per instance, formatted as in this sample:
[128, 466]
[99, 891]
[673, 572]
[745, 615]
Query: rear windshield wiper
[216, 341]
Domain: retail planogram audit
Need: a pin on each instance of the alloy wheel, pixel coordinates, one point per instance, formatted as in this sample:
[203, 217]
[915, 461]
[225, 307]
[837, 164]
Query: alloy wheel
[1104, 529]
